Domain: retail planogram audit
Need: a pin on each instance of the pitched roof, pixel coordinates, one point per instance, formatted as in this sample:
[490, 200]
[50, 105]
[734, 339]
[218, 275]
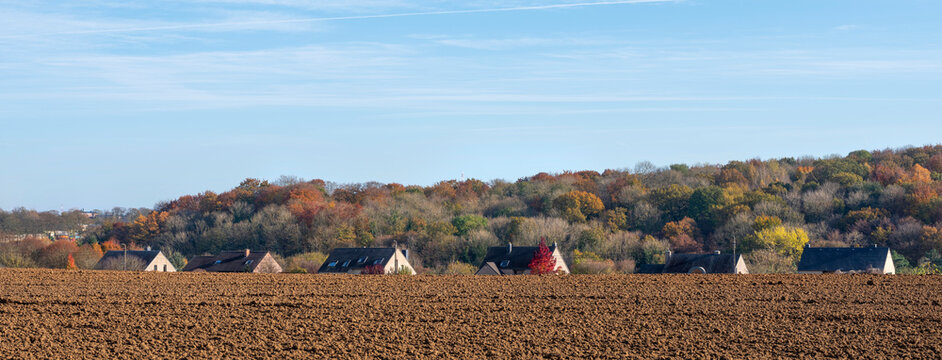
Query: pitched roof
[146, 256]
[518, 257]
[650, 269]
[345, 259]
[198, 262]
[843, 259]
[227, 261]
[711, 263]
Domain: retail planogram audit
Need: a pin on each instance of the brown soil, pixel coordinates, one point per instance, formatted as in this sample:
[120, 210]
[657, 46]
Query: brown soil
[102, 314]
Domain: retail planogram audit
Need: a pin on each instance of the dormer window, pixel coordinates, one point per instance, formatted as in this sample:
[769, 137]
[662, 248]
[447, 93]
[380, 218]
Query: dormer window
[505, 263]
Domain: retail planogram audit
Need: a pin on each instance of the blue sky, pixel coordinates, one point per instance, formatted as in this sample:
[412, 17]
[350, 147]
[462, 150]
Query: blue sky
[126, 103]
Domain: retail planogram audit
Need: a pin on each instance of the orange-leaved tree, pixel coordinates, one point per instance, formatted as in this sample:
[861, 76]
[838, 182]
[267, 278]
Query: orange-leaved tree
[71, 265]
[543, 261]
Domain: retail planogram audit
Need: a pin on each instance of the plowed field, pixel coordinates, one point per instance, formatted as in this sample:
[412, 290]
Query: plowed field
[100, 314]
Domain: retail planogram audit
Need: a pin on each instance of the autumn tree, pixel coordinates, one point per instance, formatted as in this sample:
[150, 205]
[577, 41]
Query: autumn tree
[543, 260]
[672, 200]
[616, 219]
[577, 206]
[71, 263]
[464, 224]
[706, 207]
[374, 270]
[786, 240]
[683, 235]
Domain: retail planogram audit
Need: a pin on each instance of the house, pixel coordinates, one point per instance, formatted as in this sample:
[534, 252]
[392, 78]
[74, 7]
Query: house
[511, 260]
[235, 261]
[363, 260]
[877, 260]
[136, 260]
[713, 263]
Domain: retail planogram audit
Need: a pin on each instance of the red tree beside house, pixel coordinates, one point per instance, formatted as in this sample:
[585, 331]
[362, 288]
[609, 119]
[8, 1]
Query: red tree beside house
[543, 261]
[375, 270]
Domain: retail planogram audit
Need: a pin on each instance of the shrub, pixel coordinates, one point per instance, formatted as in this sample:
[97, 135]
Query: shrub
[460, 268]
[16, 260]
[133, 263]
[769, 262]
[594, 267]
[309, 262]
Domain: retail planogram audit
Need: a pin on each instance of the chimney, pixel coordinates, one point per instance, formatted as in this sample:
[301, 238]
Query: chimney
[148, 248]
[247, 252]
[717, 252]
[667, 256]
[510, 247]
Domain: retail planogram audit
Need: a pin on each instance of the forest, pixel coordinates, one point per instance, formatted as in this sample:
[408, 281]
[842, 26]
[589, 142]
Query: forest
[612, 221]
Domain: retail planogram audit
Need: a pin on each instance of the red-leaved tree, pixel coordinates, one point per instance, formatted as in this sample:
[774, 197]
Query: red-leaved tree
[71, 264]
[543, 261]
[375, 270]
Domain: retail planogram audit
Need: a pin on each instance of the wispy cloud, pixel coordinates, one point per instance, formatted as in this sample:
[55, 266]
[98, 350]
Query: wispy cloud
[257, 22]
[513, 43]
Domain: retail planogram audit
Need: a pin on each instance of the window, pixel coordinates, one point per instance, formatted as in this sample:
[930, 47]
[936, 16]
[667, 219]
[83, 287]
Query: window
[332, 264]
[155, 267]
[165, 267]
[504, 263]
[378, 261]
[249, 262]
[218, 262]
[361, 260]
[346, 263]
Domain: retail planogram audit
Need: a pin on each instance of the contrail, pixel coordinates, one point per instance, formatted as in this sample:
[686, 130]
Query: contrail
[339, 18]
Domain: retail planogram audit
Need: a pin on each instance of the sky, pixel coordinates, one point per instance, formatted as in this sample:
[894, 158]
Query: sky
[127, 103]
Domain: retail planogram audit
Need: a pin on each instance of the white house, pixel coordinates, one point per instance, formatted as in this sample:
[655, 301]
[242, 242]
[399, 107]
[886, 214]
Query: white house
[364, 260]
[878, 260]
[515, 260]
[136, 260]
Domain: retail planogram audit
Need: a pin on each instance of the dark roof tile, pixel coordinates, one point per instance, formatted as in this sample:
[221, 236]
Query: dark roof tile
[843, 259]
[712, 263]
[227, 261]
[351, 258]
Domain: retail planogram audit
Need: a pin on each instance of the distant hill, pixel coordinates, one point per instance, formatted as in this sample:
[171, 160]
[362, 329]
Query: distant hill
[770, 208]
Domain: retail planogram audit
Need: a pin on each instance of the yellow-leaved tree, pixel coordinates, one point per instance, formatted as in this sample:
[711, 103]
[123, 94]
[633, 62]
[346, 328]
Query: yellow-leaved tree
[577, 206]
[786, 240]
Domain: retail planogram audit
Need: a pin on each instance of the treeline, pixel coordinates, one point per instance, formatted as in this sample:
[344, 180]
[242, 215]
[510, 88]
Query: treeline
[610, 221]
[24, 221]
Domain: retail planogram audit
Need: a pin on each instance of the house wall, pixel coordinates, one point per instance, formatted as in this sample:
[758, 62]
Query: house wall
[741, 266]
[889, 267]
[159, 264]
[267, 265]
[487, 270]
[560, 263]
[400, 260]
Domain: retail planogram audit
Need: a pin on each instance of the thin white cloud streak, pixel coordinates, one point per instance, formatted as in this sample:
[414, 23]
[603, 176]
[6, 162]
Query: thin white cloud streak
[337, 18]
